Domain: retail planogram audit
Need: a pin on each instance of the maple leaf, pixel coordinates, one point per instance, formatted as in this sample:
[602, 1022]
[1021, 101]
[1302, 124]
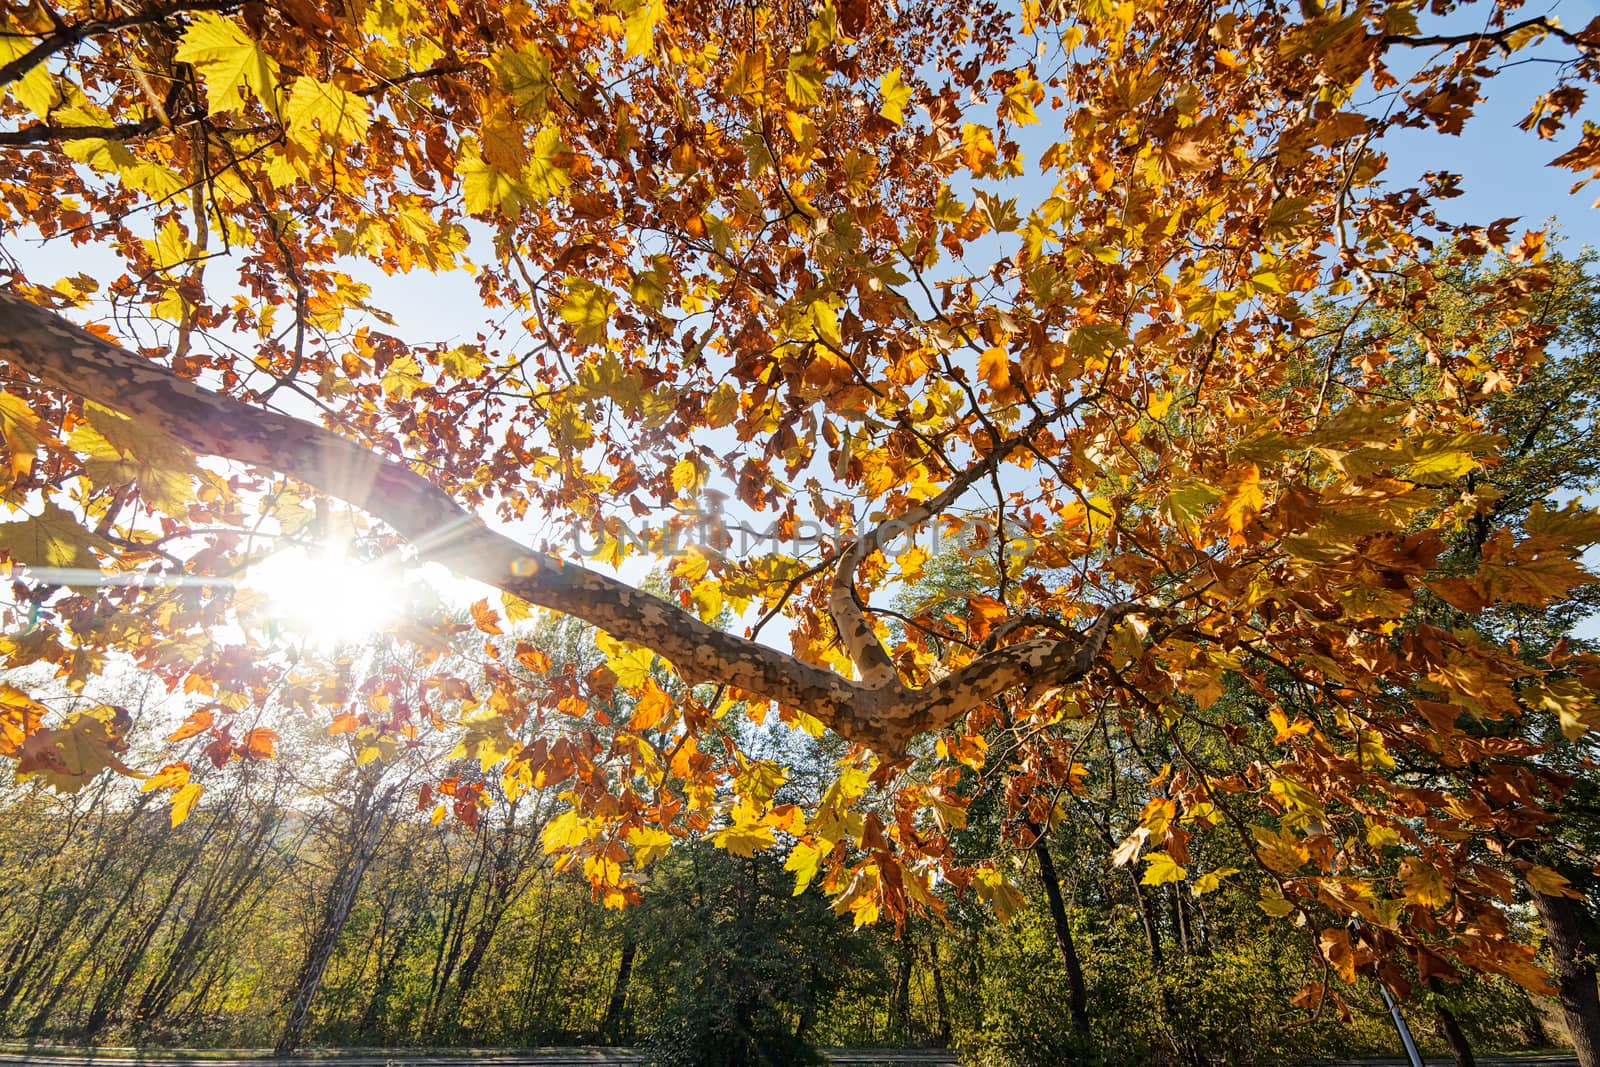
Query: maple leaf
[172, 776]
[229, 61]
[1337, 949]
[20, 431]
[1211, 881]
[184, 800]
[1242, 499]
[652, 707]
[259, 743]
[197, 722]
[587, 309]
[896, 95]
[485, 618]
[649, 844]
[1423, 883]
[1162, 869]
[320, 109]
[999, 893]
[805, 860]
[54, 538]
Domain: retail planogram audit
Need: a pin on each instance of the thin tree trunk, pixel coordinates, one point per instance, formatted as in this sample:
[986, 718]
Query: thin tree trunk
[1152, 933]
[611, 1026]
[939, 997]
[1077, 995]
[341, 898]
[901, 1012]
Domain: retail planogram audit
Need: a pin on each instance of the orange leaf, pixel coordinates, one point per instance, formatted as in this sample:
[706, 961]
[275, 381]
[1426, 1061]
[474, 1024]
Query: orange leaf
[486, 618]
[260, 743]
[533, 659]
[172, 776]
[199, 722]
[1335, 945]
[344, 724]
[651, 707]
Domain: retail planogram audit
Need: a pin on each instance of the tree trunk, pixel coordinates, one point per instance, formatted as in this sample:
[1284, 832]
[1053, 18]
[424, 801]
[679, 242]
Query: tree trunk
[901, 1010]
[1575, 973]
[942, 1001]
[1460, 1047]
[611, 1026]
[1077, 996]
[1152, 932]
[341, 897]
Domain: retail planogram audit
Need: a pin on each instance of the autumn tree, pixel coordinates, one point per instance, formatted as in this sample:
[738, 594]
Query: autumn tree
[1047, 274]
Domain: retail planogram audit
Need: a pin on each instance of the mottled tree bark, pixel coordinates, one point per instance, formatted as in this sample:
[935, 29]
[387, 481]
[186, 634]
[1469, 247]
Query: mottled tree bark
[879, 711]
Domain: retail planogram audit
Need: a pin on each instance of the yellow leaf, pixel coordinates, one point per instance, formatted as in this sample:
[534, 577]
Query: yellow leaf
[20, 431]
[515, 607]
[911, 562]
[722, 407]
[1423, 883]
[1243, 500]
[1551, 882]
[896, 95]
[640, 27]
[587, 309]
[977, 147]
[318, 108]
[484, 188]
[804, 860]
[1163, 869]
[1211, 880]
[54, 538]
[1274, 903]
[183, 801]
[651, 708]
[744, 839]
[172, 776]
[993, 887]
[706, 597]
[804, 81]
[685, 475]
[35, 89]
[649, 844]
[565, 831]
[229, 61]
[1282, 852]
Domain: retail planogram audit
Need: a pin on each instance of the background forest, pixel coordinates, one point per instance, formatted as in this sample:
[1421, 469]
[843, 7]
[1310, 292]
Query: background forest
[337, 896]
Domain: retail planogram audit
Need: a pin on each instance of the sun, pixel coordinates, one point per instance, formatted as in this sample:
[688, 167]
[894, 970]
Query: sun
[327, 595]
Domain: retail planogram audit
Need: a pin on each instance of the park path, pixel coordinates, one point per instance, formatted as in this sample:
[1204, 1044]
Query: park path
[543, 1057]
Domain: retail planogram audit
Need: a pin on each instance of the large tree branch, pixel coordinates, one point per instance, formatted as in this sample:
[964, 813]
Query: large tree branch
[1037, 663]
[71, 359]
[66, 357]
[844, 604]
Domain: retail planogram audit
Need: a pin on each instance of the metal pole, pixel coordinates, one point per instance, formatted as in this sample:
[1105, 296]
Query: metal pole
[1413, 1057]
[1406, 1039]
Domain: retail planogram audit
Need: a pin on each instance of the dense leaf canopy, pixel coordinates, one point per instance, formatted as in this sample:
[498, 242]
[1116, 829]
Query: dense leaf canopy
[1121, 292]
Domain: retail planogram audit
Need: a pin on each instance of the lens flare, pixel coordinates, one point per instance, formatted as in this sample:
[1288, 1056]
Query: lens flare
[326, 595]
